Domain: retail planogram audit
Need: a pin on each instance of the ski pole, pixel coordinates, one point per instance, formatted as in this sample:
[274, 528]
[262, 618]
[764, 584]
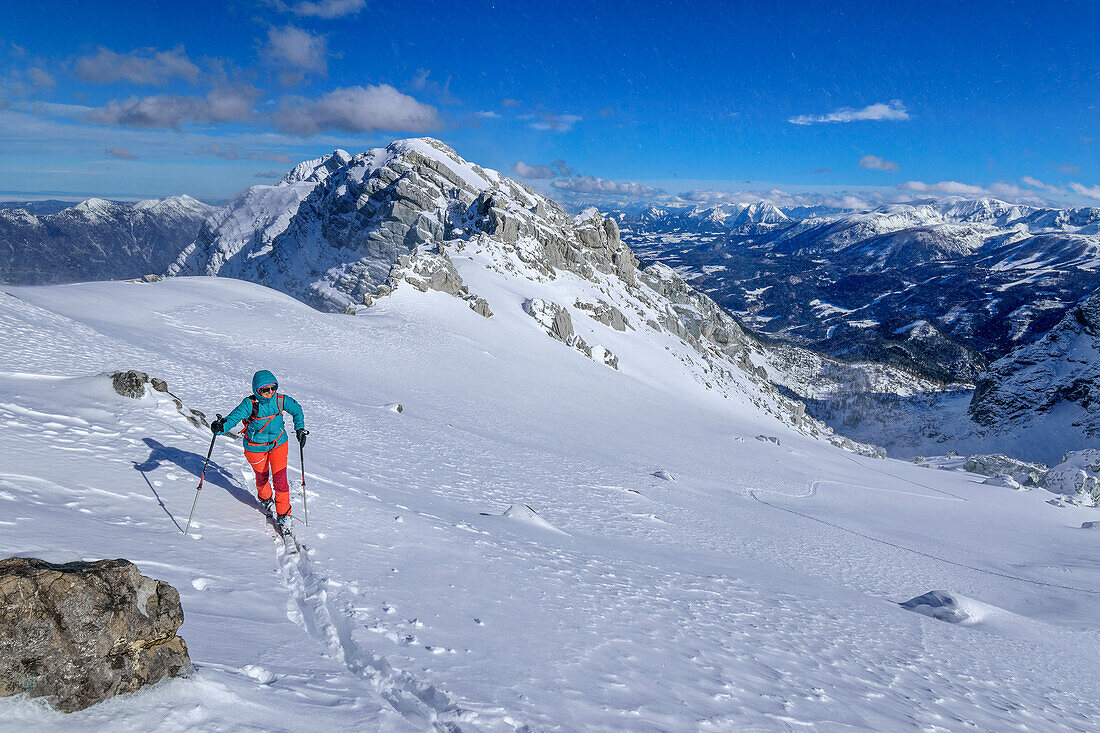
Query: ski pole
[302, 456]
[202, 477]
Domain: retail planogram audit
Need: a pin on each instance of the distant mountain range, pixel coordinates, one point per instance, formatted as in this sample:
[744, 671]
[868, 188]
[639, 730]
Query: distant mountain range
[904, 301]
[941, 287]
[95, 239]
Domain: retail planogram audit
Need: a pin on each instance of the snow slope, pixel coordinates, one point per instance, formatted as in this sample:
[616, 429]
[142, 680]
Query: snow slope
[751, 585]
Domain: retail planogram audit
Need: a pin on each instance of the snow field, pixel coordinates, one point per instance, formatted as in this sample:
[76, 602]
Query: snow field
[756, 591]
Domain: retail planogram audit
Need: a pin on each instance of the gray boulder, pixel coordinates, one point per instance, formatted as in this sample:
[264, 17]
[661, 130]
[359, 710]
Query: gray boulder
[82, 632]
[480, 306]
[130, 384]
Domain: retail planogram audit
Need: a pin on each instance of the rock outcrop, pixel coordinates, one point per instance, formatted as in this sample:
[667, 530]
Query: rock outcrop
[1077, 477]
[131, 383]
[1055, 380]
[82, 632]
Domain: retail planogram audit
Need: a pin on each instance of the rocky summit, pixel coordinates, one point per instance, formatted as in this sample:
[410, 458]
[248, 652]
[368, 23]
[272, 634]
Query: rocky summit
[82, 632]
[343, 231]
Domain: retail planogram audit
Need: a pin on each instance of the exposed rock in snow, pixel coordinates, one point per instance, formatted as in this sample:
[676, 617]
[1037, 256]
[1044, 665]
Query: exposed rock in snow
[606, 314]
[82, 632]
[1077, 476]
[950, 607]
[131, 383]
[1023, 473]
[557, 323]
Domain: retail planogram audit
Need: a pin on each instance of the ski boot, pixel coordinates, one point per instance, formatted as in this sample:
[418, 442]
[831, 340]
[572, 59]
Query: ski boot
[267, 505]
[283, 522]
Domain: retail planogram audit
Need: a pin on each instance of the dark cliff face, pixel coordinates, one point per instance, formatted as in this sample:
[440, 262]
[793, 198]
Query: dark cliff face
[1061, 368]
[97, 240]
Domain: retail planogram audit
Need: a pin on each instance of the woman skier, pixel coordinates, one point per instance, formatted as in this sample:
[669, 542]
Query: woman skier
[265, 442]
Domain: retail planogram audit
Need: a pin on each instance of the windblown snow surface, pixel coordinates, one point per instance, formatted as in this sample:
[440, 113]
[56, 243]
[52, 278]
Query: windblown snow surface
[500, 555]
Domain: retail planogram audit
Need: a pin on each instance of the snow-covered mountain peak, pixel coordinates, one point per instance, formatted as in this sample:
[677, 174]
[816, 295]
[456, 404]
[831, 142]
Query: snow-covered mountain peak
[416, 216]
[95, 208]
[317, 169]
[170, 206]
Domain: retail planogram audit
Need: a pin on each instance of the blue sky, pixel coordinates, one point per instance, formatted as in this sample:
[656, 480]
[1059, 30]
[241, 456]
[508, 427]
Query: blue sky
[883, 101]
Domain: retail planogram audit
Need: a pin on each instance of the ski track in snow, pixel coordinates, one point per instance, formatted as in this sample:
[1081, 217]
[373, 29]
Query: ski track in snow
[695, 604]
[316, 606]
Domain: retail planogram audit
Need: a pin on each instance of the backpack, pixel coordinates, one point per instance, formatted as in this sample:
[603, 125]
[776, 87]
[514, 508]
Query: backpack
[256, 411]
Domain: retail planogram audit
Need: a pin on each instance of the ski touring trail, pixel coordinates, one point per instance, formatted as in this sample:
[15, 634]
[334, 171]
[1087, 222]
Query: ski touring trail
[504, 554]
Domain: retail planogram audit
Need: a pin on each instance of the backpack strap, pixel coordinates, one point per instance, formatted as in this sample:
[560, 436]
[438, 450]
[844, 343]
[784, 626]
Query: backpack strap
[255, 410]
[279, 402]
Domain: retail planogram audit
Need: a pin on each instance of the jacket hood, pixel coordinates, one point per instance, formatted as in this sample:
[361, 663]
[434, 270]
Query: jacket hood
[260, 379]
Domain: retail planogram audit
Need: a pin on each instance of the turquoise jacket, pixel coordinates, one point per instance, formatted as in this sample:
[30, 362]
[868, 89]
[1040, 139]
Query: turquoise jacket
[267, 431]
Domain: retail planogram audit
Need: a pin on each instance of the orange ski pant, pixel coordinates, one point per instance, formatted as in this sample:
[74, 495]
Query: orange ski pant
[273, 461]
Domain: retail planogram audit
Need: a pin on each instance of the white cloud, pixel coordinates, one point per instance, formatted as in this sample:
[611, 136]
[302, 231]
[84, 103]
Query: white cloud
[121, 153]
[232, 151]
[1048, 187]
[40, 78]
[172, 111]
[326, 9]
[875, 163]
[1008, 191]
[714, 196]
[488, 115]
[555, 123]
[356, 109]
[53, 109]
[23, 83]
[591, 184]
[557, 168]
[848, 202]
[144, 66]
[297, 52]
[945, 187]
[893, 110]
[1092, 192]
[533, 171]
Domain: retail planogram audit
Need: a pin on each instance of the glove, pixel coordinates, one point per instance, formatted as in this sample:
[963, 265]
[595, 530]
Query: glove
[301, 433]
[218, 426]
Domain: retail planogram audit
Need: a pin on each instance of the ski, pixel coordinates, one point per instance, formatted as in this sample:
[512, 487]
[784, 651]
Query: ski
[290, 542]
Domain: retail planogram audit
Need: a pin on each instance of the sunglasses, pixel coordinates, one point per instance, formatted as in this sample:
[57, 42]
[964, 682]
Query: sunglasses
[269, 389]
